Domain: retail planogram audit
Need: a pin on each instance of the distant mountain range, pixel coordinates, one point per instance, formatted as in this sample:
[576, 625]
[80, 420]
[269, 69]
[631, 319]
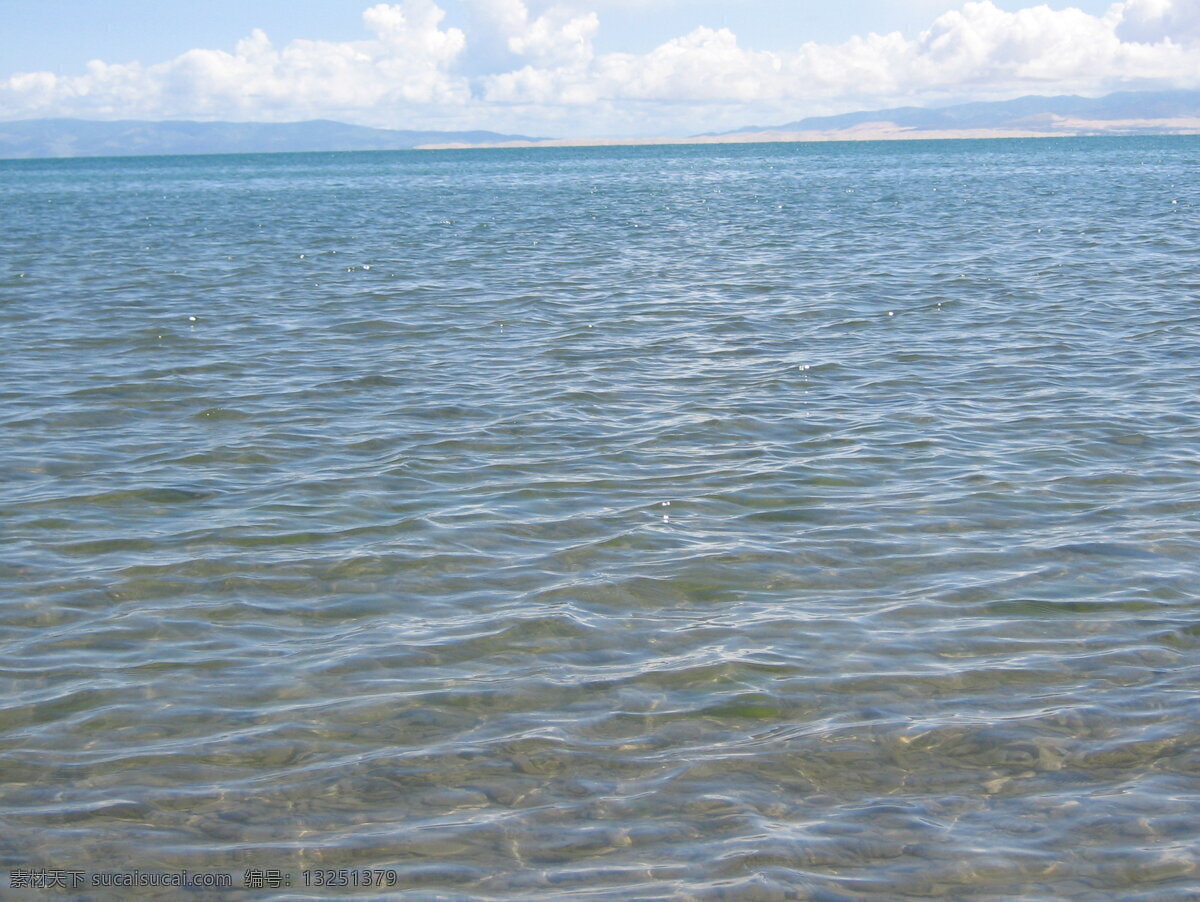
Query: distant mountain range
[1125, 112]
[83, 138]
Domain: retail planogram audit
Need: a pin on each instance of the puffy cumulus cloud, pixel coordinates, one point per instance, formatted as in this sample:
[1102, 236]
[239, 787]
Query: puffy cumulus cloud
[979, 49]
[559, 36]
[704, 66]
[407, 61]
[531, 65]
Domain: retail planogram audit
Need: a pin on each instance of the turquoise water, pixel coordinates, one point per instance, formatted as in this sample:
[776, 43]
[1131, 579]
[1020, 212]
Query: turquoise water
[762, 522]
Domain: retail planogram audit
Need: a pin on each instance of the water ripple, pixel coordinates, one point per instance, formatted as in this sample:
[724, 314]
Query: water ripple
[652, 523]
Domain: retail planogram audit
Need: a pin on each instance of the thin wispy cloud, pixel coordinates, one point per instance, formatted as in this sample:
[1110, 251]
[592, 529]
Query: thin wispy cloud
[544, 73]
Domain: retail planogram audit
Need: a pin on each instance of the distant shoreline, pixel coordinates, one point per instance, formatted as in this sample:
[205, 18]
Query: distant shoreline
[870, 131]
[1034, 116]
[874, 131]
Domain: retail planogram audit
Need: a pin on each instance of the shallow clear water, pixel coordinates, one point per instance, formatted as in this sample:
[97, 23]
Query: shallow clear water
[762, 522]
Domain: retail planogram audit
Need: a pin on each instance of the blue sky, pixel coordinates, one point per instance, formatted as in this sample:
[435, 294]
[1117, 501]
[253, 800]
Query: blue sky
[62, 35]
[580, 67]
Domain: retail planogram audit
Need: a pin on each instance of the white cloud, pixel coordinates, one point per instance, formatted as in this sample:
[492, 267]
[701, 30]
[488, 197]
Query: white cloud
[979, 49]
[550, 79]
[407, 61]
[559, 36]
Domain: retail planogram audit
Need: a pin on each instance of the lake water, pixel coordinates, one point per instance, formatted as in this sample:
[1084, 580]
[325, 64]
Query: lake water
[747, 522]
